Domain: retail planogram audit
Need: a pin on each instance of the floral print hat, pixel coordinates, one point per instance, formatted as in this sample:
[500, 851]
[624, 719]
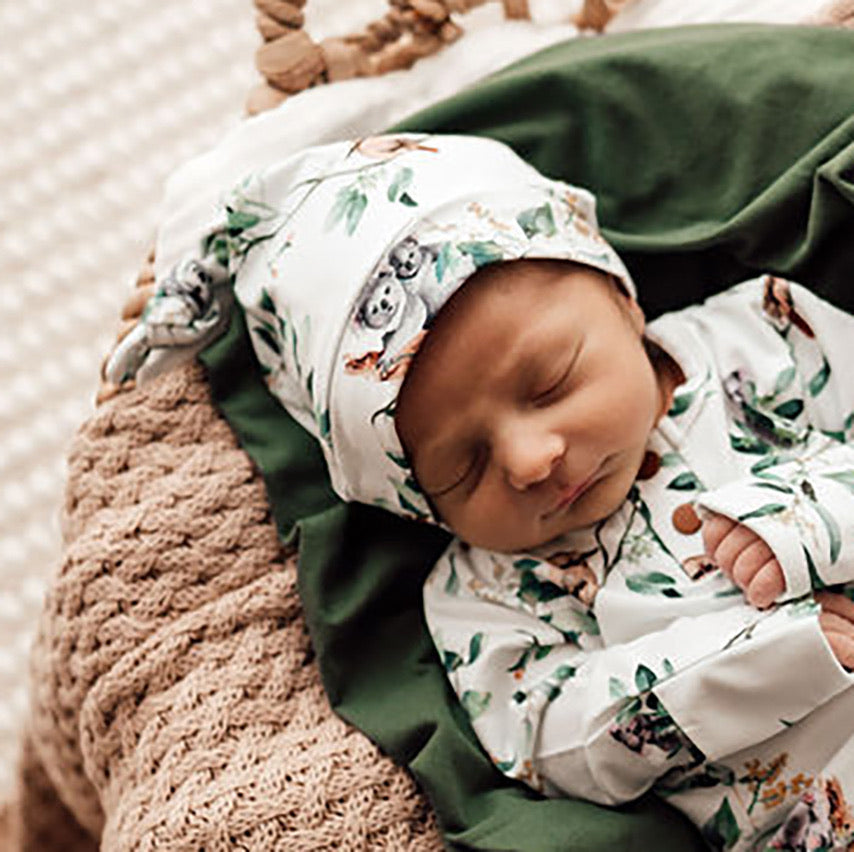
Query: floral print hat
[343, 254]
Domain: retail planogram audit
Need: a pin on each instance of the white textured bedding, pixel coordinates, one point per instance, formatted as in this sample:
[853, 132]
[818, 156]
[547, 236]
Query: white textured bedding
[98, 105]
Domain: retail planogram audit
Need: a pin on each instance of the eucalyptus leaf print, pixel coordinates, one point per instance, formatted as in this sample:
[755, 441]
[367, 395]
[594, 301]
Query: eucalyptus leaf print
[820, 379]
[784, 379]
[681, 403]
[653, 583]
[687, 481]
[790, 410]
[768, 418]
[762, 511]
[397, 190]
[533, 650]
[409, 496]
[482, 252]
[553, 685]
[475, 703]
[321, 417]
[747, 443]
[452, 584]
[721, 831]
[453, 661]
[443, 261]
[350, 203]
[644, 678]
[267, 335]
[760, 467]
[537, 220]
[535, 590]
[504, 765]
[833, 534]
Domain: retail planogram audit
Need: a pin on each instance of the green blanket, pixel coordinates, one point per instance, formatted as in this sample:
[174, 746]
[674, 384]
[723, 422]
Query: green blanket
[715, 152]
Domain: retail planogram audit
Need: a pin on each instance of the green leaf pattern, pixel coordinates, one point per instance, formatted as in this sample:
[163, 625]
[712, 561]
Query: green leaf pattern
[638, 555]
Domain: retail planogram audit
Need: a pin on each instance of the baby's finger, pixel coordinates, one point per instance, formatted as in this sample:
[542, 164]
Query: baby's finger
[834, 623]
[767, 585]
[750, 560]
[738, 539]
[833, 602]
[842, 646]
[714, 531]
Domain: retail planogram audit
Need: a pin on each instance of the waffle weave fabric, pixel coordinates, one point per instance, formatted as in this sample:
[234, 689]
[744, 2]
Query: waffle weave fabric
[176, 704]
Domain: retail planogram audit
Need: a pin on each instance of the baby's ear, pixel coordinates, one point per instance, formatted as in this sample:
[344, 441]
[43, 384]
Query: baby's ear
[635, 313]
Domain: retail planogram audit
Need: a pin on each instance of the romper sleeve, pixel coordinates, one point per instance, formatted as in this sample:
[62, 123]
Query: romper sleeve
[799, 495]
[556, 708]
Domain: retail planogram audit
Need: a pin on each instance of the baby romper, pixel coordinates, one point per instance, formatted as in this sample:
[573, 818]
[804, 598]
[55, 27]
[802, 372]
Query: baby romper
[617, 658]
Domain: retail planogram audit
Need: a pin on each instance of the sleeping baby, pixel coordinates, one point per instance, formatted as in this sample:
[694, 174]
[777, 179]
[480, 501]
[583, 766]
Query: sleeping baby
[646, 520]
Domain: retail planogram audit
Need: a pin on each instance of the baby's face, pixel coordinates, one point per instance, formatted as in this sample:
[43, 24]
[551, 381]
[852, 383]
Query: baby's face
[527, 410]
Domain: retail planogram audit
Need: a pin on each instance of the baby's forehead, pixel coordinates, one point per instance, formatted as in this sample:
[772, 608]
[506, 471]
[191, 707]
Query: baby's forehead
[509, 290]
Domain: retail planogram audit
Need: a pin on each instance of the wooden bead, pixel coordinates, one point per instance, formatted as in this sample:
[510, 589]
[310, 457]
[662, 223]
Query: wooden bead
[516, 9]
[450, 32]
[430, 9]
[385, 29]
[268, 27]
[366, 42]
[264, 97]
[405, 18]
[595, 14]
[343, 61]
[286, 13]
[460, 7]
[290, 63]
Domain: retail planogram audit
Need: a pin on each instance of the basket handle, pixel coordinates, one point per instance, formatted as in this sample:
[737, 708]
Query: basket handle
[290, 61]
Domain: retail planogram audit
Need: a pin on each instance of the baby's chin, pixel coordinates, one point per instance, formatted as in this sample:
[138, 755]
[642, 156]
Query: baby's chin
[601, 501]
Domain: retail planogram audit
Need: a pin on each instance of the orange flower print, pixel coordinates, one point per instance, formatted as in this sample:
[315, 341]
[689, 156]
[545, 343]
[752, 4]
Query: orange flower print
[840, 812]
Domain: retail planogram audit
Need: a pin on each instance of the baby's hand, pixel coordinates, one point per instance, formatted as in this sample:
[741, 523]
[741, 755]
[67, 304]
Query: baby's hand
[745, 558]
[837, 624]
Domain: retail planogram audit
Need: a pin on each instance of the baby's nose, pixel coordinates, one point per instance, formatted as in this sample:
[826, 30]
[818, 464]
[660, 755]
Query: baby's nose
[532, 459]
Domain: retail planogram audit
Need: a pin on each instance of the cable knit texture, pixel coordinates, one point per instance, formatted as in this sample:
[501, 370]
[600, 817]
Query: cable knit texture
[176, 704]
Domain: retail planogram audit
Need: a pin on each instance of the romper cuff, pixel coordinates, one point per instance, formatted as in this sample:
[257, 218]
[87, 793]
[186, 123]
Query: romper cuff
[724, 703]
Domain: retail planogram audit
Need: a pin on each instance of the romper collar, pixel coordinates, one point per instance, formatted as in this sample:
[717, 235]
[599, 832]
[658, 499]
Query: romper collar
[678, 339]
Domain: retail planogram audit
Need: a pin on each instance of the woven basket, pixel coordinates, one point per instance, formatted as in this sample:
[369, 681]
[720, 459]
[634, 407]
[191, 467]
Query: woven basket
[175, 701]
